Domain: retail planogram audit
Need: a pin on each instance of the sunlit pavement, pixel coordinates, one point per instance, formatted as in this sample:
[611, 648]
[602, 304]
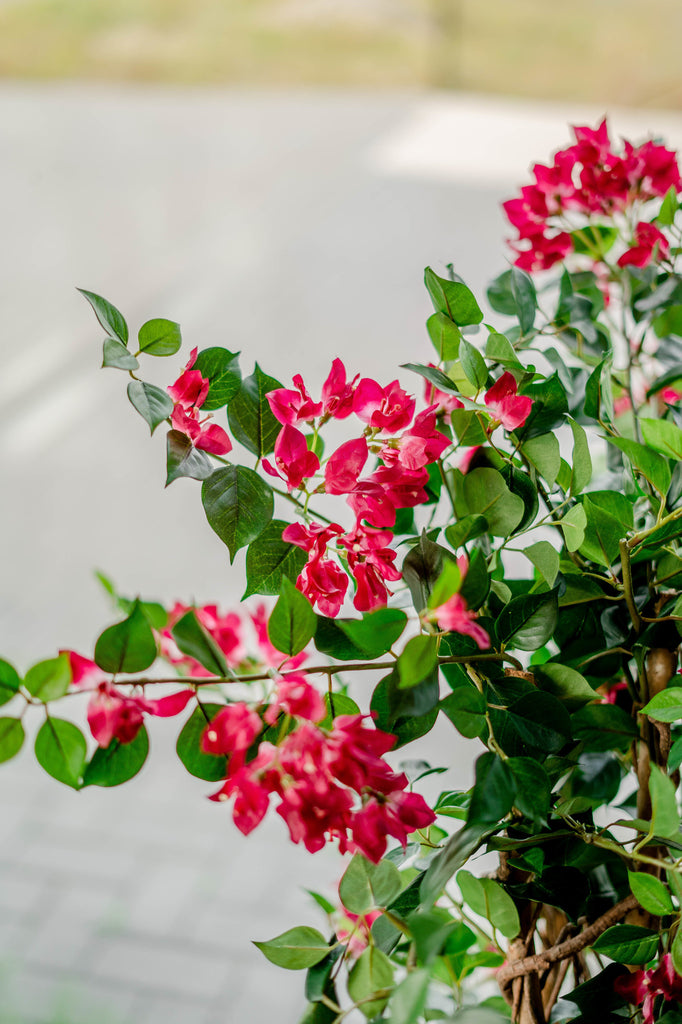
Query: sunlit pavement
[293, 227]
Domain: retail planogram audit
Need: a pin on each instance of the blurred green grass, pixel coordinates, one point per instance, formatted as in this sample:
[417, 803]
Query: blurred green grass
[603, 51]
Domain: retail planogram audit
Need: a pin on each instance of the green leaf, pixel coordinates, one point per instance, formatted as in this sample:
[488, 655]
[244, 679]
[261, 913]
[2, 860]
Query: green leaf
[528, 622]
[520, 483]
[598, 403]
[533, 787]
[372, 972]
[663, 436]
[270, 559]
[222, 370]
[500, 295]
[366, 886]
[543, 453]
[196, 642]
[117, 763]
[604, 727]
[653, 467]
[445, 336]
[581, 472]
[129, 646]
[153, 404]
[627, 944]
[337, 704]
[295, 949]
[292, 622]
[566, 684]
[669, 207]
[60, 748]
[408, 1001]
[108, 316]
[550, 406]
[183, 459]
[117, 356]
[452, 298]
[676, 953]
[421, 568]
[476, 585]
[488, 899]
[447, 584]
[665, 706]
[665, 817]
[203, 766]
[669, 322]
[535, 721]
[466, 708]
[434, 376]
[499, 349]
[418, 660]
[493, 793]
[545, 558]
[473, 364]
[159, 337]
[467, 425]
[466, 529]
[451, 858]
[573, 527]
[486, 494]
[603, 534]
[238, 505]
[49, 680]
[650, 893]
[11, 738]
[376, 632]
[525, 299]
[250, 417]
[10, 681]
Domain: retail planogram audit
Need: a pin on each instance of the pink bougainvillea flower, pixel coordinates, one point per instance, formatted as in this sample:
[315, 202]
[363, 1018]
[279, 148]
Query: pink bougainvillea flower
[396, 814]
[388, 409]
[543, 251]
[324, 583]
[233, 729]
[642, 987]
[404, 488]
[85, 674]
[345, 465]
[671, 395]
[289, 406]
[467, 458]
[370, 559]
[511, 409]
[529, 213]
[191, 388]
[297, 697]
[115, 715]
[337, 392]
[313, 538]
[650, 244]
[422, 443]
[354, 929]
[454, 617]
[251, 786]
[209, 437]
[294, 461]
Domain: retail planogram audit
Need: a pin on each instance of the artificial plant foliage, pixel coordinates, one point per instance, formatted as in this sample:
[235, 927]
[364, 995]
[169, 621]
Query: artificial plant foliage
[490, 542]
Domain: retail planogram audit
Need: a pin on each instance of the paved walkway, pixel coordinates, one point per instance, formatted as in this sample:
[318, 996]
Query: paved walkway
[295, 228]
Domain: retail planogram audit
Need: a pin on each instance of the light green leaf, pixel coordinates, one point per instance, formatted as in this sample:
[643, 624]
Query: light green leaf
[129, 646]
[543, 452]
[650, 893]
[581, 472]
[60, 748]
[486, 494]
[11, 738]
[488, 899]
[372, 973]
[627, 944]
[296, 949]
[473, 364]
[159, 337]
[665, 706]
[573, 527]
[292, 622]
[116, 356]
[366, 886]
[453, 299]
[663, 436]
[653, 467]
[665, 817]
[418, 660]
[49, 680]
[545, 558]
[153, 404]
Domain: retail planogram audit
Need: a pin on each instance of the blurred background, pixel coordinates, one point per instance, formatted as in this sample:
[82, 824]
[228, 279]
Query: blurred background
[274, 175]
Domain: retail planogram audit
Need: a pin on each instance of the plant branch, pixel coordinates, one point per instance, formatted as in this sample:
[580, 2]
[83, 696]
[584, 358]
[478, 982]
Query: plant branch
[627, 586]
[541, 961]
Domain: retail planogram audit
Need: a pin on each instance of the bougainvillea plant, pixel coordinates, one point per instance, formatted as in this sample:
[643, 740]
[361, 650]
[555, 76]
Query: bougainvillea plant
[499, 544]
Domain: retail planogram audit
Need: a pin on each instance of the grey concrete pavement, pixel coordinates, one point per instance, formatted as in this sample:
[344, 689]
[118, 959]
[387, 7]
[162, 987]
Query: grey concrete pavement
[294, 228]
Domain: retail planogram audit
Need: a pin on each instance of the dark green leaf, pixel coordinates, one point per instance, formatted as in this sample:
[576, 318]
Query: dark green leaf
[270, 559]
[434, 376]
[500, 295]
[249, 414]
[536, 722]
[581, 471]
[519, 483]
[197, 763]
[665, 817]
[450, 859]
[466, 708]
[422, 567]
[337, 704]
[295, 949]
[129, 646]
[525, 300]
[603, 533]
[153, 404]
[565, 683]
[543, 453]
[465, 529]
[376, 632]
[49, 680]
[653, 467]
[533, 787]
[627, 943]
[60, 748]
[473, 364]
[476, 585]
[493, 793]
[109, 317]
[183, 459]
[117, 356]
[528, 622]
[487, 494]
[238, 505]
[11, 738]
[550, 406]
[159, 337]
[452, 298]
[222, 370]
[117, 763]
[291, 625]
[545, 557]
[194, 640]
[598, 392]
[604, 727]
